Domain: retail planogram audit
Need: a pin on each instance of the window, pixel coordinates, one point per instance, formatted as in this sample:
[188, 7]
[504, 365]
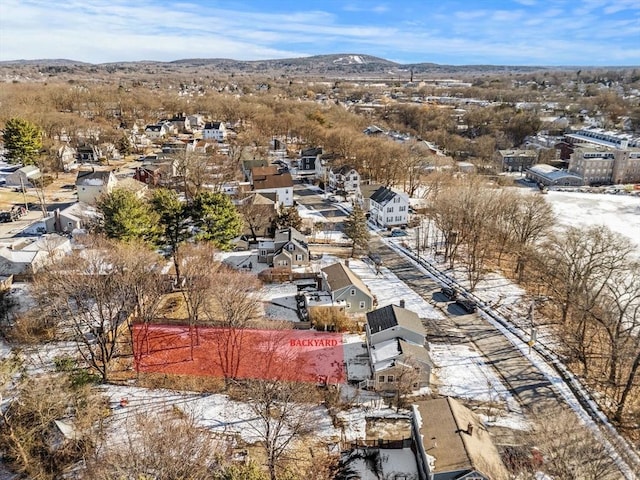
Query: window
[348, 305]
[390, 378]
[353, 292]
[389, 209]
[381, 379]
[402, 208]
[291, 247]
[362, 305]
[299, 257]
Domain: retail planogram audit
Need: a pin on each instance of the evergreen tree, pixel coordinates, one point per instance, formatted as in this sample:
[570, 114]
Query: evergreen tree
[23, 140]
[216, 218]
[355, 227]
[127, 217]
[175, 222]
[289, 217]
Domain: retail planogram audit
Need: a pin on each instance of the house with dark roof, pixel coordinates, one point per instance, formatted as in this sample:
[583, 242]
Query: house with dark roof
[309, 161]
[214, 131]
[389, 208]
[396, 343]
[288, 249]
[344, 179]
[92, 184]
[156, 130]
[452, 443]
[346, 288]
[393, 321]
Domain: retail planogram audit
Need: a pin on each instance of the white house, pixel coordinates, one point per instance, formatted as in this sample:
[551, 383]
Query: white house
[25, 256]
[281, 184]
[158, 130]
[92, 184]
[214, 131]
[388, 208]
[344, 179]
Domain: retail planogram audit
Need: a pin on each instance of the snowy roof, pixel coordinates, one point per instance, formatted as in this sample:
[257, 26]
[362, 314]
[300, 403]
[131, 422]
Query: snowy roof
[391, 352]
[93, 177]
[552, 173]
[457, 439]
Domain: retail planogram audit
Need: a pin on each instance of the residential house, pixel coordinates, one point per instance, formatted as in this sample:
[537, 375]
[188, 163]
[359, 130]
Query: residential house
[259, 173]
[281, 184]
[394, 321]
[67, 156]
[139, 189]
[451, 443]
[196, 122]
[291, 249]
[92, 184]
[214, 131]
[89, 154]
[388, 208]
[344, 180]
[346, 287]
[363, 195]
[516, 160]
[156, 131]
[152, 174]
[309, 161]
[23, 177]
[263, 210]
[396, 343]
[247, 165]
[180, 122]
[24, 256]
[398, 364]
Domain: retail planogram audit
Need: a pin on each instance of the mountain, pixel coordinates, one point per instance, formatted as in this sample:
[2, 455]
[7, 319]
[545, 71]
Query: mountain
[344, 65]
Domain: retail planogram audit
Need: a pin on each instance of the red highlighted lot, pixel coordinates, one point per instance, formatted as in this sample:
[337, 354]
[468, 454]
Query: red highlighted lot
[288, 355]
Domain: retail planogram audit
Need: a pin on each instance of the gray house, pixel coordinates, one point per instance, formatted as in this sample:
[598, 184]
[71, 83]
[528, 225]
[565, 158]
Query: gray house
[347, 288]
[396, 341]
[287, 250]
[393, 321]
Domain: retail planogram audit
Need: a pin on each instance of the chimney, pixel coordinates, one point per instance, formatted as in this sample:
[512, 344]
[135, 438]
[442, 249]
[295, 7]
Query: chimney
[470, 429]
[402, 303]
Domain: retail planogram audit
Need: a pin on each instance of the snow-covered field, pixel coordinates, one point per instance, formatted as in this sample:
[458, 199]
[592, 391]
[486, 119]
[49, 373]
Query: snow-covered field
[621, 213]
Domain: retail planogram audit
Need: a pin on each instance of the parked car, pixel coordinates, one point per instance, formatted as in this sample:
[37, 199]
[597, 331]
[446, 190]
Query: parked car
[398, 233]
[449, 292]
[468, 306]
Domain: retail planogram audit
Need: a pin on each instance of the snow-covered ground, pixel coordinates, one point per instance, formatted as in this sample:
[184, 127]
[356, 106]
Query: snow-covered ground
[279, 301]
[462, 373]
[389, 289]
[621, 213]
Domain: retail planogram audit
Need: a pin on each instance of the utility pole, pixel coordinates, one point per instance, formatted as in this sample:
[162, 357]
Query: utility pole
[24, 194]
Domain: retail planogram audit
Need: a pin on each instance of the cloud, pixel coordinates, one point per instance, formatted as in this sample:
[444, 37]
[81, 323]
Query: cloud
[117, 30]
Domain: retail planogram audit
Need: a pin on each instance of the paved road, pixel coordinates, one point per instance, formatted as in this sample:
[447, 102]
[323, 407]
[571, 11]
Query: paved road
[528, 385]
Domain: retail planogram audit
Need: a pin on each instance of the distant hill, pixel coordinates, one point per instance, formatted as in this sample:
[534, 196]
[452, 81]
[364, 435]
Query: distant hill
[332, 66]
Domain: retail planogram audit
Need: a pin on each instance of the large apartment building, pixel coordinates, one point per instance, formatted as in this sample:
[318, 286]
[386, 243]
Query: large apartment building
[598, 164]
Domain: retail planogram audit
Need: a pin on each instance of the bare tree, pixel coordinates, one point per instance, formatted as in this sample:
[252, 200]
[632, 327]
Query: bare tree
[90, 292]
[166, 444]
[568, 450]
[233, 305]
[283, 415]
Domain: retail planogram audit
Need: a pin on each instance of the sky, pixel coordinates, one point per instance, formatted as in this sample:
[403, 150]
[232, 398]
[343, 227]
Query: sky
[456, 32]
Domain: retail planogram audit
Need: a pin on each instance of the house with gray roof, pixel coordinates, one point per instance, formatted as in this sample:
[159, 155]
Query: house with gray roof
[389, 208]
[288, 249]
[344, 179]
[396, 344]
[346, 288]
[393, 321]
[24, 176]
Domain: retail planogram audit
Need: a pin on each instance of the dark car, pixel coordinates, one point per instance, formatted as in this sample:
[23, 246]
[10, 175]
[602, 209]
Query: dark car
[468, 306]
[449, 292]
